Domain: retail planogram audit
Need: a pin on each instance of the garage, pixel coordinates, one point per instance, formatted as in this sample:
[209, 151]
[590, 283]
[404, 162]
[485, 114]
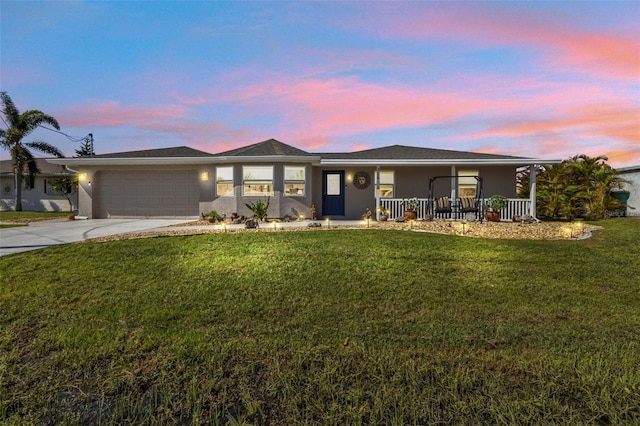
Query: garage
[168, 194]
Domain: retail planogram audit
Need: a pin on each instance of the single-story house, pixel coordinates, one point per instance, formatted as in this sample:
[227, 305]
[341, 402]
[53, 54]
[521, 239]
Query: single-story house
[37, 194]
[183, 182]
[631, 176]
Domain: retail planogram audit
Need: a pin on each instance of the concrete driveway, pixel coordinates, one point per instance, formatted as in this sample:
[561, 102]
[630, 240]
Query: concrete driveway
[54, 232]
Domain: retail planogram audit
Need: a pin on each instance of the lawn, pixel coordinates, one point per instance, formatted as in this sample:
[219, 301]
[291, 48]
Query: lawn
[326, 327]
[26, 216]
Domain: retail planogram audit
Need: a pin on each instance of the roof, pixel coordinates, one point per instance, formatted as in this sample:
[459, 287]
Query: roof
[269, 147]
[276, 151]
[402, 152]
[632, 169]
[46, 168]
[176, 152]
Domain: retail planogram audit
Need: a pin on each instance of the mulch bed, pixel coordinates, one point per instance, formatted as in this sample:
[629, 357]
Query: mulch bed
[501, 230]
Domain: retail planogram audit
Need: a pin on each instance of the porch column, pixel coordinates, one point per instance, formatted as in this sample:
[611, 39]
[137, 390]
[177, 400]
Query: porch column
[377, 193]
[532, 189]
[454, 190]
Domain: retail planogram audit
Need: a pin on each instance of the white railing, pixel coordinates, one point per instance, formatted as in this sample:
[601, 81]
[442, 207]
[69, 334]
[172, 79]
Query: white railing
[395, 208]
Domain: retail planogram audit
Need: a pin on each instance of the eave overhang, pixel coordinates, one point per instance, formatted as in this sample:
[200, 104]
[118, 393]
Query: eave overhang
[163, 161]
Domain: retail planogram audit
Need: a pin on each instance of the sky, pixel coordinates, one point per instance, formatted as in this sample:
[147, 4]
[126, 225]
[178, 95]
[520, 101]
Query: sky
[546, 80]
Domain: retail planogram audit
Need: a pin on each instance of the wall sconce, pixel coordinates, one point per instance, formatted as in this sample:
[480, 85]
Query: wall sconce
[204, 176]
[349, 178]
[89, 183]
[82, 177]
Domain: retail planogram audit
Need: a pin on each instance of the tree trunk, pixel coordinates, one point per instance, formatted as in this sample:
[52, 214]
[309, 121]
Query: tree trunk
[18, 191]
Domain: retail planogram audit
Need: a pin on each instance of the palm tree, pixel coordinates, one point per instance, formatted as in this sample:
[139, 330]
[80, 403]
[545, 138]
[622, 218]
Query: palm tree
[20, 125]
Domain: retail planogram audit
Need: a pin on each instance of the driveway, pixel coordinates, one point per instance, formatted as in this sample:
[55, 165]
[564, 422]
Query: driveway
[55, 232]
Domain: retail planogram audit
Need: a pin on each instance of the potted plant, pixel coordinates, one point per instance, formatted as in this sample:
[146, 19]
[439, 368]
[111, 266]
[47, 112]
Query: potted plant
[384, 213]
[495, 203]
[411, 207]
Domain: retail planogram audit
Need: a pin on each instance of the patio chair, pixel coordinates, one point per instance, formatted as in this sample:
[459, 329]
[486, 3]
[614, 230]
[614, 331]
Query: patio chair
[469, 205]
[443, 207]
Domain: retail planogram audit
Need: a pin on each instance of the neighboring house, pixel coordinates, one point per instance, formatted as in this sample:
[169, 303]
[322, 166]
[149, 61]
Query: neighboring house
[631, 176]
[183, 182]
[37, 194]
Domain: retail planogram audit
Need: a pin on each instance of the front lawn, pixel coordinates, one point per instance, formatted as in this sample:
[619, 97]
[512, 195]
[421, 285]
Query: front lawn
[326, 327]
[27, 216]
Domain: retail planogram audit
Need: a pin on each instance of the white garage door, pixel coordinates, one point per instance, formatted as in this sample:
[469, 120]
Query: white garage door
[147, 194]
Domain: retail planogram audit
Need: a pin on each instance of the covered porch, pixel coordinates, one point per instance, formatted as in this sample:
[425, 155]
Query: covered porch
[394, 207]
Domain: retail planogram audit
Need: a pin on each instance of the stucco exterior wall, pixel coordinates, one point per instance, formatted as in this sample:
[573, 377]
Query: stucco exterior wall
[33, 199]
[632, 184]
[280, 205]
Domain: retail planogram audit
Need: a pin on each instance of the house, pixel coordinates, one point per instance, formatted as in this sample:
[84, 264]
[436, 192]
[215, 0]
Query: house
[37, 194]
[183, 182]
[631, 176]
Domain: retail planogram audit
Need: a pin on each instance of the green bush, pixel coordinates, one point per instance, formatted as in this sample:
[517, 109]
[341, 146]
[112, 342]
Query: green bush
[259, 208]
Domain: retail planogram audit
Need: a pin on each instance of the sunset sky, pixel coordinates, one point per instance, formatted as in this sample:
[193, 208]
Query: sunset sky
[536, 79]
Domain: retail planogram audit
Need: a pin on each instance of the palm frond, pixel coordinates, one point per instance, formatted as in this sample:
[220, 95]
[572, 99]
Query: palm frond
[45, 147]
[9, 109]
[33, 118]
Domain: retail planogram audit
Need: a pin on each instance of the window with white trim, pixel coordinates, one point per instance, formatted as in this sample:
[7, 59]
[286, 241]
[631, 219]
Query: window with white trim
[467, 183]
[294, 181]
[257, 180]
[387, 183]
[224, 181]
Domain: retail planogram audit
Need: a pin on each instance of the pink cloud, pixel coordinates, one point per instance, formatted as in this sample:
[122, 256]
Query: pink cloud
[603, 54]
[620, 121]
[112, 113]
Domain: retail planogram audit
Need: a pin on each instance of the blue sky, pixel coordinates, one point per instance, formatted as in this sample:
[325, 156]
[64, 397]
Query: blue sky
[537, 79]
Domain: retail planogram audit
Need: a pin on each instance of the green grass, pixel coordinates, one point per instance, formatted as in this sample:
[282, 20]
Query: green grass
[249, 328]
[12, 225]
[26, 215]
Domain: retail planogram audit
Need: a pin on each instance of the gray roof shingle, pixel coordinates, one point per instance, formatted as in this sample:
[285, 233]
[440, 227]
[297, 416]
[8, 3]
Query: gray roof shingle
[180, 151]
[269, 147]
[402, 152]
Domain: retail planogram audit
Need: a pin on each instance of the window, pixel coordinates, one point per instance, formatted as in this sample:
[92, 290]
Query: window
[224, 181]
[294, 181]
[28, 182]
[467, 183]
[386, 183]
[257, 180]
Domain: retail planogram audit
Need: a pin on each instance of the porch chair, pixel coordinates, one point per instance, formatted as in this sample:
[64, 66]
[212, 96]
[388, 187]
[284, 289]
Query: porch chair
[443, 207]
[469, 205]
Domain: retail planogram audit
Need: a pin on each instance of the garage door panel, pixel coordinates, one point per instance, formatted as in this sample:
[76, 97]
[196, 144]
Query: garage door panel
[148, 194]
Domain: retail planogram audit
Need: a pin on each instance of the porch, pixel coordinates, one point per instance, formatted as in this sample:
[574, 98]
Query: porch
[395, 208]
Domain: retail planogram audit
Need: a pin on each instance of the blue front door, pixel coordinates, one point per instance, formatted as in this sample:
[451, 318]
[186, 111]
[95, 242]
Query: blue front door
[333, 193]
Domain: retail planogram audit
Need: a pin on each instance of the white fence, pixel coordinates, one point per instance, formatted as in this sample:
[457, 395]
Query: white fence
[395, 208]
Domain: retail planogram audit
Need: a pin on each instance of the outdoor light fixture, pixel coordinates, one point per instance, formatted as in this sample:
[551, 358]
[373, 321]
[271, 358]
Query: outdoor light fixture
[82, 177]
[204, 176]
[89, 183]
[328, 224]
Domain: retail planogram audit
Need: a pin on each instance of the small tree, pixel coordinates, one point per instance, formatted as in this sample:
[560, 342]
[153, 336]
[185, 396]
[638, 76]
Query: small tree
[67, 186]
[86, 147]
[579, 186]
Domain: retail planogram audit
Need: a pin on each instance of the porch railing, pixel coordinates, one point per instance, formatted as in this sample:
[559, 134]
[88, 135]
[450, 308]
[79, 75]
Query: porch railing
[515, 207]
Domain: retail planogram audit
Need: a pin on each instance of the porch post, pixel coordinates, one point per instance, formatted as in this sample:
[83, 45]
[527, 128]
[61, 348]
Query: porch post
[453, 194]
[378, 193]
[532, 189]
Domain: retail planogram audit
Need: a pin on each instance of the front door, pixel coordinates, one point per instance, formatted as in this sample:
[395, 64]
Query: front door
[333, 193]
